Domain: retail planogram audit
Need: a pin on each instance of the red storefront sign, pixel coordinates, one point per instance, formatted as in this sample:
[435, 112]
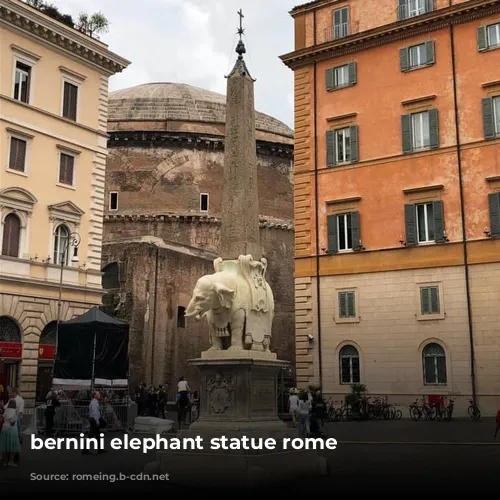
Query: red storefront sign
[11, 350]
[47, 351]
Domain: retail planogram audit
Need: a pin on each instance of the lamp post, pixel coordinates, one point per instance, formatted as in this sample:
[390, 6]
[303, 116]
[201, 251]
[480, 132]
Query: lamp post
[73, 240]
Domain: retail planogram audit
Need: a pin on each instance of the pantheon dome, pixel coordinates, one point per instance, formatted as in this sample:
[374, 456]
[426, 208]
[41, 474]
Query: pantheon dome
[164, 179]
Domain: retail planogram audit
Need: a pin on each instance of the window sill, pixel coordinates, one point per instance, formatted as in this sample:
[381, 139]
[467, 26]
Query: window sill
[425, 243]
[416, 68]
[16, 172]
[343, 164]
[436, 385]
[347, 320]
[349, 383]
[430, 317]
[341, 87]
[489, 49]
[66, 186]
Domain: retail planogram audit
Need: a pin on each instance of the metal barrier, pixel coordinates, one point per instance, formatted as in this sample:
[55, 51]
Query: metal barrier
[73, 419]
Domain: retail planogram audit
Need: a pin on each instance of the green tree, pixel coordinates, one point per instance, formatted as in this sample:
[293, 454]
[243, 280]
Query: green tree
[92, 25]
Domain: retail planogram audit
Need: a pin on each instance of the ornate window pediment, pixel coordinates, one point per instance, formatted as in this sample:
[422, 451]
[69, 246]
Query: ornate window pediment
[66, 211]
[17, 198]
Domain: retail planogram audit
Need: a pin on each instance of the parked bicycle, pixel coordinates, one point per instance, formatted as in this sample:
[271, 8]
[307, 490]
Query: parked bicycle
[421, 408]
[473, 410]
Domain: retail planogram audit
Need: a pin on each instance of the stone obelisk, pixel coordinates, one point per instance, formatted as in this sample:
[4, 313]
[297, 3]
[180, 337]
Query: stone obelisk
[240, 201]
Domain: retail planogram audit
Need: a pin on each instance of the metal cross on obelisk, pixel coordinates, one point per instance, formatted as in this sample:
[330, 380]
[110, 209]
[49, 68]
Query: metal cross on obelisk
[241, 31]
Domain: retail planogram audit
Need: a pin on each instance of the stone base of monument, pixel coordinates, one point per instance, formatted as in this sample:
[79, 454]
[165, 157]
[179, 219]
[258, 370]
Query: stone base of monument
[238, 398]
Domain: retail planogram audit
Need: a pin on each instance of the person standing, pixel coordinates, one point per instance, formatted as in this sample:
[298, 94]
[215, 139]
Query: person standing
[304, 411]
[293, 406]
[14, 394]
[162, 401]
[183, 401]
[52, 402]
[10, 446]
[95, 421]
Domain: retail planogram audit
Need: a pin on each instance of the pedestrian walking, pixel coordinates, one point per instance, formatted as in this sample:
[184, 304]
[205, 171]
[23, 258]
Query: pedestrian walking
[304, 415]
[96, 422]
[293, 406]
[182, 402]
[52, 402]
[10, 446]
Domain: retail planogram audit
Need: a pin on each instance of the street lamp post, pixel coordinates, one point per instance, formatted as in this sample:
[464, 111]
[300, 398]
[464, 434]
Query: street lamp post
[73, 240]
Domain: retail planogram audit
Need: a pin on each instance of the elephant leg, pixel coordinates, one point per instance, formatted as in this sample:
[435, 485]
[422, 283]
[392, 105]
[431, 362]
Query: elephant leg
[237, 326]
[215, 340]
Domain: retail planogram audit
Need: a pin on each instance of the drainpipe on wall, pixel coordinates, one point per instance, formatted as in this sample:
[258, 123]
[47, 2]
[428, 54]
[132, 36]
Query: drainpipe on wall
[153, 333]
[316, 209]
[462, 210]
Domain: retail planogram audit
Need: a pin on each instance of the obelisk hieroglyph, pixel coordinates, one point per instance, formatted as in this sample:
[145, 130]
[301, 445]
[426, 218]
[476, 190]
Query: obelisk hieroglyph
[240, 200]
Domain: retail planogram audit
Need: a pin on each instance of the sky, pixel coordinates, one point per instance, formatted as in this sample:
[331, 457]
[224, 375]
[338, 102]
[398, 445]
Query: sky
[193, 42]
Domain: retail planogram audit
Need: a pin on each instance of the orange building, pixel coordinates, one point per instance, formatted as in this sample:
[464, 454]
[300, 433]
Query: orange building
[397, 197]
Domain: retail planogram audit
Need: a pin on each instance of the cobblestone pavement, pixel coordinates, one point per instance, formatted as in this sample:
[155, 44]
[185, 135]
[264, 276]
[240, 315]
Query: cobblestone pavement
[459, 454]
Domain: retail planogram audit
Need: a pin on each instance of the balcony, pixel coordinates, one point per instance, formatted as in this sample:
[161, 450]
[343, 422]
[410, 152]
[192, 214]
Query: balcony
[336, 32]
[413, 8]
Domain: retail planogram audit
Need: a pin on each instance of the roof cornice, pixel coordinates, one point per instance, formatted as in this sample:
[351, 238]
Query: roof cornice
[457, 14]
[306, 7]
[27, 21]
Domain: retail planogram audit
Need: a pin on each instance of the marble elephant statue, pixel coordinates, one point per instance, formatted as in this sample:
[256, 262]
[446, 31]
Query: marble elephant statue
[225, 299]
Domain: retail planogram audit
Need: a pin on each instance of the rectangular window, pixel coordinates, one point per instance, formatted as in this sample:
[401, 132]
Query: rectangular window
[203, 202]
[17, 157]
[494, 209]
[22, 82]
[421, 131]
[347, 304]
[344, 231]
[341, 23]
[343, 145]
[418, 56]
[412, 8]
[66, 169]
[429, 300]
[70, 101]
[496, 114]
[113, 200]
[341, 76]
[349, 370]
[493, 34]
[181, 319]
[425, 222]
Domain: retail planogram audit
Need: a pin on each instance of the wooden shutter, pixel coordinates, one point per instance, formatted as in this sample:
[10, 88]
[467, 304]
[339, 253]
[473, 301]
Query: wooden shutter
[430, 52]
[11, 236]
[406, 134]
[429, 6]
[333, 244]
[434, 128]
[17, 158]
[330, 148]
[494, 205]
[70, 100]
[330, 78]
[488, 118]
[353, 73]
[404, 58]
[402, 10]
[411, 225]
[354, 143]
[437, 208]
[482, 38]
[343, 307]
[434, 300]
[351, 304]
[355, 231]
[66, 169]
[425, 301]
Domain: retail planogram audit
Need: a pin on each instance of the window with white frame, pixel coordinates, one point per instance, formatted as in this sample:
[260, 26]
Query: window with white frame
[425, 222]
[343, 145]
[17, 154]
[344, 231]
[421, 136]
[349, 365]
[493, 34]
[429, 300]
[66, 169]
[416, 7]
[113, 200]
[22, 82]
[61, 245]
[434, 365]
[203, 202]
[341, 23]
[496, 114]
[341, 76]
[418, 55]
[347, 305]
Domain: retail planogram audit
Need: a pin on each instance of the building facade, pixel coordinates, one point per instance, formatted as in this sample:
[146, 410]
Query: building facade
[164, 180]
[397, 186]
[53, 144]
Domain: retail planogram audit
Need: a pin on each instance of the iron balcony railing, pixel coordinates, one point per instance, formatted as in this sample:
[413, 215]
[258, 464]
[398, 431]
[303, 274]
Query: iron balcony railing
[413, 8]
[336, 32]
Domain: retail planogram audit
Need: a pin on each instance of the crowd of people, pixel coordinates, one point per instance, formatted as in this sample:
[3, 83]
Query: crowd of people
[11, 437]
[308, 411]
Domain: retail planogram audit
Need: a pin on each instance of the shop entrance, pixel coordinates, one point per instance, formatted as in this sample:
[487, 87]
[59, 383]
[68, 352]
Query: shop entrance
[11, 352]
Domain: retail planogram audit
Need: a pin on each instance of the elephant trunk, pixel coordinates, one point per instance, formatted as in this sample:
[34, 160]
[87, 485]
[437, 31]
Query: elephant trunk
[191, 311]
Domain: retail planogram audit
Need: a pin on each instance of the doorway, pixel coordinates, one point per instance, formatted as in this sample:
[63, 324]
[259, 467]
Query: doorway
[9, 371]
[43, 381]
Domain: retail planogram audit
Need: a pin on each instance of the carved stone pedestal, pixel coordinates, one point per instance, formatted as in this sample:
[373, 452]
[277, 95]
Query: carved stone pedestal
[238, 398]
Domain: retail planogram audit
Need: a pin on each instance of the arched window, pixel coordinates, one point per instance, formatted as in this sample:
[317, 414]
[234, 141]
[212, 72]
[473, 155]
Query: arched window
[61, 246]
[48, 335]
[349, 365]
[434, 364]
[11, 235]
[9, 331]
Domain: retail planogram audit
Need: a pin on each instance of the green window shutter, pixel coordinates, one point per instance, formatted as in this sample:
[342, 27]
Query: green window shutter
[406, 134]
[425, 300]
[437, 207]
[404, 58]
[353, 73]
[403, 7]
[355, 230]
[333, 241]
[330, 148]
[411, 225]
[482, 39]
[351, 304]
[494, 205]
[434, 300]
[330, 79]
[430, 51]
[434, 128]
[343, 304]
[488, 118]
[429, 6]
[353, 132]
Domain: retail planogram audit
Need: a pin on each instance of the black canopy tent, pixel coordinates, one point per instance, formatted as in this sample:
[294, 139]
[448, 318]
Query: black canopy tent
[92, 349]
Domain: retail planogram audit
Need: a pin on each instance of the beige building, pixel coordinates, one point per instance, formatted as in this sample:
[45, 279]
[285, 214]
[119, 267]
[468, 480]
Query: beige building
[53, 119]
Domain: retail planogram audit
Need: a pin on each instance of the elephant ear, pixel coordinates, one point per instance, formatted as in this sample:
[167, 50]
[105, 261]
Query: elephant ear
[225, 295]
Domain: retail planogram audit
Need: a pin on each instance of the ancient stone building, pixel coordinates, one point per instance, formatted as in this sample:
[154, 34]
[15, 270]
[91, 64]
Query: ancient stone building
[162, 220]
